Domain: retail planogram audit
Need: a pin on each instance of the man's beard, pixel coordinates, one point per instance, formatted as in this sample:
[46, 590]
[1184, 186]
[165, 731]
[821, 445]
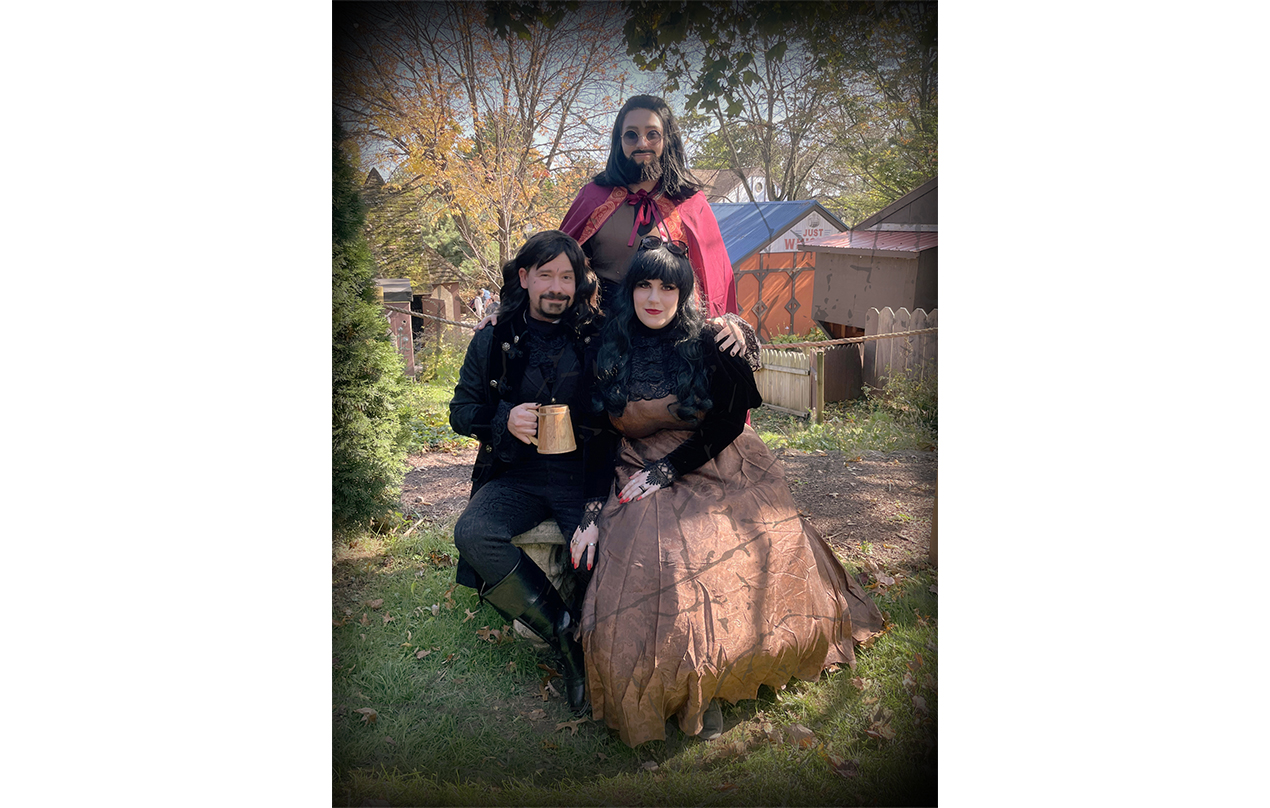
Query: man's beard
[552, 308]
[633, 172]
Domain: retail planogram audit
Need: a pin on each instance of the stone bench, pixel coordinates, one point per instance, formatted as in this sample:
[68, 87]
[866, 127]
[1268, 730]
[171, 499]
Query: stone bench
[547, 547]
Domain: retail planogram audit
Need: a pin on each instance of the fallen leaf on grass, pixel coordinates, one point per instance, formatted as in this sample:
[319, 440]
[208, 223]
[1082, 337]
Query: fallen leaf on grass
[771, 732]
[915, 663]
[934, 589]
[511, 666]
[369, 715]
[885, 580]
[449, 658]
[436, 609]
[861, 684]
[470, 615]
[389, 739]
[388, 618]
[801, 736]
[535, 715]
[376, 603]
[919, 706]
[881, 731]
[648, 765]
[910, 684]
[880, 724]
[440, 559]
[572, 725]
[546, 744]
[843, 768]
[365, 621]
[601, 756]
[488, 634]
[423, 652]
[552, 673]
[725, 787]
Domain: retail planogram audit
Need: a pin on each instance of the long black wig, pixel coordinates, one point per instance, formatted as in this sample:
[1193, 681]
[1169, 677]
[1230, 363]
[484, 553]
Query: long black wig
[677, 181]
[688, 367]
[538, 250]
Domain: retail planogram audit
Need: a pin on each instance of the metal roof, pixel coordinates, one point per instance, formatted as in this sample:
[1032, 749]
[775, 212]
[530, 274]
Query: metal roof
[748, 227]
[876, 242]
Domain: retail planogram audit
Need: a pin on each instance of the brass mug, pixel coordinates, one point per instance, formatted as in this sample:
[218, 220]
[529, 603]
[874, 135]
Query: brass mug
[555, 430]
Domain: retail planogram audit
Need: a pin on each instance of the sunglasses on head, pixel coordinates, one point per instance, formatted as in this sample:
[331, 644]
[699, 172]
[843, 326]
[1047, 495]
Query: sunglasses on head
[651, 242]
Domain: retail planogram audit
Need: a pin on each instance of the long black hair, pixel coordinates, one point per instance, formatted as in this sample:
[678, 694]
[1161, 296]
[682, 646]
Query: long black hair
[677, 181]
[687, 368]
[538, 250]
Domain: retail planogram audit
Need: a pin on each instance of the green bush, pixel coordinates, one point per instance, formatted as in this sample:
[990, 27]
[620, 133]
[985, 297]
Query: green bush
[369, 422]
[815, 334]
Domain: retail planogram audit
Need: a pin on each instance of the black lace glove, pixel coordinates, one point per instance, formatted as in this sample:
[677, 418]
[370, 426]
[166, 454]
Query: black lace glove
[751, 340]
[653, 478]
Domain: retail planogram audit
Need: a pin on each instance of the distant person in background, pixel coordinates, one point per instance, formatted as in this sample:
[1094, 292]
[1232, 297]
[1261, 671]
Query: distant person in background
[478, 306]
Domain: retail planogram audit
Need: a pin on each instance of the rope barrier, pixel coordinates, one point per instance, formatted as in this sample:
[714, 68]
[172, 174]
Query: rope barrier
[821, 345]
[421, 316]
[829, 343]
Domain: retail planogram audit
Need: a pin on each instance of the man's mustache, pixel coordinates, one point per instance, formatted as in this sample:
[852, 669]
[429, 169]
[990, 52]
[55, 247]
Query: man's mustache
[550, 296]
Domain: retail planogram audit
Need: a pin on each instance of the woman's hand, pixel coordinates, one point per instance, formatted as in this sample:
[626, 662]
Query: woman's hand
[490, 319]
[583, 544]
[639, 486]
[729, 338]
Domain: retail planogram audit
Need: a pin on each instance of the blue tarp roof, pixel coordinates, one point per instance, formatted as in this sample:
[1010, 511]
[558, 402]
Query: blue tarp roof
[748, 227]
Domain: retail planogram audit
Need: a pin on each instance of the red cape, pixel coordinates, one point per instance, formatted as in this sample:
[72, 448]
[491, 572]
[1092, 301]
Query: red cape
[690, 221]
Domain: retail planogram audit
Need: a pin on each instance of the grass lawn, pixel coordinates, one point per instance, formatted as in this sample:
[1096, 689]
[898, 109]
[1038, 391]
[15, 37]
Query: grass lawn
[436, 702]
[431, 707]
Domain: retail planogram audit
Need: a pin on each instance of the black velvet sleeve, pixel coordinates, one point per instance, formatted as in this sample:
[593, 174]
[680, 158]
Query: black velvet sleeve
[734, 393]
[598, 436]
[473, 408]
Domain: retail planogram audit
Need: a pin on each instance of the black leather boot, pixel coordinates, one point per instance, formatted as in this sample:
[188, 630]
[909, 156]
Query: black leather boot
[528, 596]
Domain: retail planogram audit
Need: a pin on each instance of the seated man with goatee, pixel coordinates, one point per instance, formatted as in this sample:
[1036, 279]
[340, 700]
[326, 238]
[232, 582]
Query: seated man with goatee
[536, 354]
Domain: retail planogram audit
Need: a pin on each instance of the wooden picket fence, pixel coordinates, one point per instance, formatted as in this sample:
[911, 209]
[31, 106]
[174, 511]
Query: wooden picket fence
[785, 380]
[916, 355]
[794, 379]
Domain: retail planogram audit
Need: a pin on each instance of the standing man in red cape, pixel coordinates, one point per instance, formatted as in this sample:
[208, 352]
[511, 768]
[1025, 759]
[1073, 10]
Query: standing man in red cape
[646, 189]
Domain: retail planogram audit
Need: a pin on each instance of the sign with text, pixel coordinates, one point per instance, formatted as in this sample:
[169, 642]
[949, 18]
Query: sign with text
[811, 226]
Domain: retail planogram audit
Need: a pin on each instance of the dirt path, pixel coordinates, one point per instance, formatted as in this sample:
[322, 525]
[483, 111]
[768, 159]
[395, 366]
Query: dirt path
[877, 506]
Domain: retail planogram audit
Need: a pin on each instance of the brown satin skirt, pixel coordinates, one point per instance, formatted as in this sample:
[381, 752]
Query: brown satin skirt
[709, 589]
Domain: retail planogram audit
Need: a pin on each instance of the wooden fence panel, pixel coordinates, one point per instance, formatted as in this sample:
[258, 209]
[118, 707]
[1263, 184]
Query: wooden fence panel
[917, 354]
[784, 380]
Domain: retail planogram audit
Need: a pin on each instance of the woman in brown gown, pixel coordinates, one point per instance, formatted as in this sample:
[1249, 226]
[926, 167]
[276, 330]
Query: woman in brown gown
[707, 583]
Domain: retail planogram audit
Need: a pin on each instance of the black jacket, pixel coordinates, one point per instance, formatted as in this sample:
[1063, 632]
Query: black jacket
[491, 374]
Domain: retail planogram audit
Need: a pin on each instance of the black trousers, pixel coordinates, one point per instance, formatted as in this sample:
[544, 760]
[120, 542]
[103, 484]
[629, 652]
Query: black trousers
[526, 494]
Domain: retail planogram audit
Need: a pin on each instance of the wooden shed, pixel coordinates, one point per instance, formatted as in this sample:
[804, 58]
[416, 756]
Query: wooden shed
[890, 259]
[774, 278]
